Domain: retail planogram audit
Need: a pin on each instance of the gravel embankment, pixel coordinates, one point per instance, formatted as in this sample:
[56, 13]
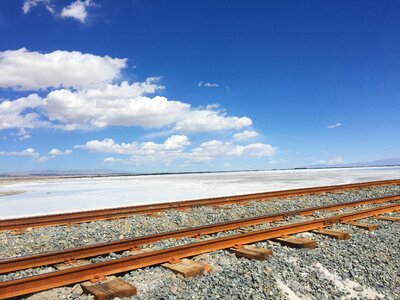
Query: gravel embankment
[364, 267]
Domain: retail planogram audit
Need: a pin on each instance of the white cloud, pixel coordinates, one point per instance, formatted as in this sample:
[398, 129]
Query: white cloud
[115, 105]
[109, 160]
[209, 120]
[27, 152]
[29, 4]
[208, 84]
[176, 143]
[175, 148]
[127, 105]
[338, 160]
[30, 152]
[244, 135]
[16, 113]
[335, 125]
[56, 152]
[30, 70]
[140, 153]
[212, 149]
[23, 135]
[77, 10]
[173, 144]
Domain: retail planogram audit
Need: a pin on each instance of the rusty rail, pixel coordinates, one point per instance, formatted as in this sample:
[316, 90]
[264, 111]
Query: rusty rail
[20, 263]
[18, 287]
[121, 212]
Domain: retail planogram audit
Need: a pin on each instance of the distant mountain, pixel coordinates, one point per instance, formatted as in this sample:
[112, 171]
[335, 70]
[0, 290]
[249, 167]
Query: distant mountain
[375, 163]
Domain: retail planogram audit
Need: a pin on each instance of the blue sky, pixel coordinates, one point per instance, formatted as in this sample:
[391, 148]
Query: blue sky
[154, 86]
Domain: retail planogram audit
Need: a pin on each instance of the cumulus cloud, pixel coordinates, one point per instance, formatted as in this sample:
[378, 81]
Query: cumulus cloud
[244, 135]
[26, 152]
[335, 125]
[115, 105]
[56, 152]
[30, 70]
[19, 114]
[207, 84]
[30, 152]
[77, 10]
[109, 160]
[23, 134]
[175, 148]
[140, 153]
[36, 156]
[175, 143]
[29, 4]
[127, 105]
[209, 120]
[212, 149]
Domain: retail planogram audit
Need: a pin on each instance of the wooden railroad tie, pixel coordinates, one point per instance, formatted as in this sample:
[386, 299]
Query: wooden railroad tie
[342, 191]
[330, 209]
[297, 242]
[387, 218]
[71, 264]
[306, 213]
[188, 268]
[115, 218]
[19, 231]
[140, 251]
[109, 288]
[184, 209]
[152, 214]
[217, 205]
[245, 229]
[252, 252]
[335, 234]
[366, 226]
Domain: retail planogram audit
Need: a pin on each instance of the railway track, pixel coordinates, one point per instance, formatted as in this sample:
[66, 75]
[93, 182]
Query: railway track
[115, 213]
[37, 283]
[21, 263]
[19, 287]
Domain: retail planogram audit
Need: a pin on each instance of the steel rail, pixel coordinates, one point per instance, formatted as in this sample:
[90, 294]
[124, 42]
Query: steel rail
[111, 213]
[19, 287]
[21, 263]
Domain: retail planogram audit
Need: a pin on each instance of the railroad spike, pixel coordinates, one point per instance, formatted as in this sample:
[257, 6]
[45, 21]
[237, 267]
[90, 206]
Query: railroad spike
[97, 278]
[174, 260]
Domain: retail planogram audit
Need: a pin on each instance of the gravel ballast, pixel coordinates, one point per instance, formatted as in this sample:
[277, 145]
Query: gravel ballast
[364, 267]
